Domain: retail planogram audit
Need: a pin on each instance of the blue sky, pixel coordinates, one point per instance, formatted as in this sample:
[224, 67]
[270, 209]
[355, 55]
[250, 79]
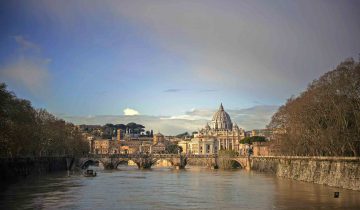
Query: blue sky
[83, 60]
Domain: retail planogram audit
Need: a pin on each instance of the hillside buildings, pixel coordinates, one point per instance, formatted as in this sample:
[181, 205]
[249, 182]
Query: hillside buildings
[128, 144]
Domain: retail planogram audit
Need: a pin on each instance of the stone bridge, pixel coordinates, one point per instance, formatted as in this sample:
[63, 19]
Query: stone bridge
[213, 161]
[144, 161]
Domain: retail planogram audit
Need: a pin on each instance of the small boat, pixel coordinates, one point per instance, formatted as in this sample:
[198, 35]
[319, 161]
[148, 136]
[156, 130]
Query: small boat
[89, 173]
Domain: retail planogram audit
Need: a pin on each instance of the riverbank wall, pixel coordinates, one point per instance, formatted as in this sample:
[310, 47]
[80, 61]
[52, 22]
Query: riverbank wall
[343, 172]
[14, 169]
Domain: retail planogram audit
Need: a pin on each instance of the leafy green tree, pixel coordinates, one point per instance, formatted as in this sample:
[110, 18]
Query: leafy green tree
[250, 140]
[121, 126]
[173, 149]
[135, 128]
[193, 134]
[183, 135]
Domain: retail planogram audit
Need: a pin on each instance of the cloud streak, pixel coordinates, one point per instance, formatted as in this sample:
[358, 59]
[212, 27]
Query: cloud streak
[28, 70]
[26, 44]
[31, 74]
[251, 118]
[174, 90]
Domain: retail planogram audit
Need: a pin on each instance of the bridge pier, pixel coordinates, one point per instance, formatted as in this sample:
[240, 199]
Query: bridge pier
[248, 164]
[180, 163]
[69, 164]
[108, 163]
[108, 166]
[144, 163]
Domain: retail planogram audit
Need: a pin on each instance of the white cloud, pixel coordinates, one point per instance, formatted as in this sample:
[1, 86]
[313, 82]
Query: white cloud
[130, 112]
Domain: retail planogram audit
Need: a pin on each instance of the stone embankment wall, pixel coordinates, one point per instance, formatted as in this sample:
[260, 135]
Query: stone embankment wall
[13, 169]
[343, 172]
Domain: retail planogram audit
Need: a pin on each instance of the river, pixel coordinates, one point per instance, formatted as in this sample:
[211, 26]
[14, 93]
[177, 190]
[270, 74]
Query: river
[165, 188]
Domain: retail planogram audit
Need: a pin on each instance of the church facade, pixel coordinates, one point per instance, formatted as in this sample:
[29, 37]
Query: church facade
[221, 134]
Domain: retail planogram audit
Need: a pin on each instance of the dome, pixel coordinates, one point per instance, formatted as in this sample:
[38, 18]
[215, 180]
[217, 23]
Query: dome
[221, 120]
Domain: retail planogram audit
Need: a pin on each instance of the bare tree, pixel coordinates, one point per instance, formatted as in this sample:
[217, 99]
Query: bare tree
[324, 119]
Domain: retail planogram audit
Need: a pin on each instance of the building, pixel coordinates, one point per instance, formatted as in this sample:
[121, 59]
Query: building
[221, 135]
[158, 138]
[104, 146]
[184, 144]
[130, 147]
[267, 133]
[261, 149]
[158, 148]
[159, 144]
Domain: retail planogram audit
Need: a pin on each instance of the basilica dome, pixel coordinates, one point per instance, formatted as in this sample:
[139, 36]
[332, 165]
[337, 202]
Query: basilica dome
[221, 120]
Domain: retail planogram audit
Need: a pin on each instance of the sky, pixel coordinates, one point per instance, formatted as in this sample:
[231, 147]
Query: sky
[169, 64]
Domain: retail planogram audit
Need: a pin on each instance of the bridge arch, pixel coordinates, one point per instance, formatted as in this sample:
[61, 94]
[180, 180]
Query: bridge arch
[241, 162]
[163, 161]
[124, 161]
[236, 164]
[87, 162]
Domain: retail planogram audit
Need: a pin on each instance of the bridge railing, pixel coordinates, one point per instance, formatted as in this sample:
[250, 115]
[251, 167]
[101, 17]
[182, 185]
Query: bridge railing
[130, 155]
[202, 156]
[139, 155]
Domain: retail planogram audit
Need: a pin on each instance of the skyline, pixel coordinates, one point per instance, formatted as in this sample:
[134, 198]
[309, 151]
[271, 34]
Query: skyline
[164, 62]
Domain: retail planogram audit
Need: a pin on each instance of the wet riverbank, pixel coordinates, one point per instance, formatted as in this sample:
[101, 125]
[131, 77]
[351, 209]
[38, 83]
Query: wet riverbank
[14, 170]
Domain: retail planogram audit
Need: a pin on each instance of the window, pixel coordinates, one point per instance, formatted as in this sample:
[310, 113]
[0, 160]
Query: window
[207, 148]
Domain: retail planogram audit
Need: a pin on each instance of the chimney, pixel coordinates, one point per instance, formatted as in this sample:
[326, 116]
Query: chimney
[118, 134]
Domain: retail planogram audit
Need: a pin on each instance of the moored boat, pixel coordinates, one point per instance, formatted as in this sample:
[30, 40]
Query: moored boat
[89, 173]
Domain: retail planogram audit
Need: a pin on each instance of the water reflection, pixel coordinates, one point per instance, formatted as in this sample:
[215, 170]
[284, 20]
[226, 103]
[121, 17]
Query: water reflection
[312, 196]
[165, 188]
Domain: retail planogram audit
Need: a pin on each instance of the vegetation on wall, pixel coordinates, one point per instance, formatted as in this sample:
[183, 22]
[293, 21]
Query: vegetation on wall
[224, 160]
[173, 149]
[250, 140]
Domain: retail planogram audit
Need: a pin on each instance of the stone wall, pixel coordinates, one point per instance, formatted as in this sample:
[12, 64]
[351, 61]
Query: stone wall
[13, 169]
[343, 172]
